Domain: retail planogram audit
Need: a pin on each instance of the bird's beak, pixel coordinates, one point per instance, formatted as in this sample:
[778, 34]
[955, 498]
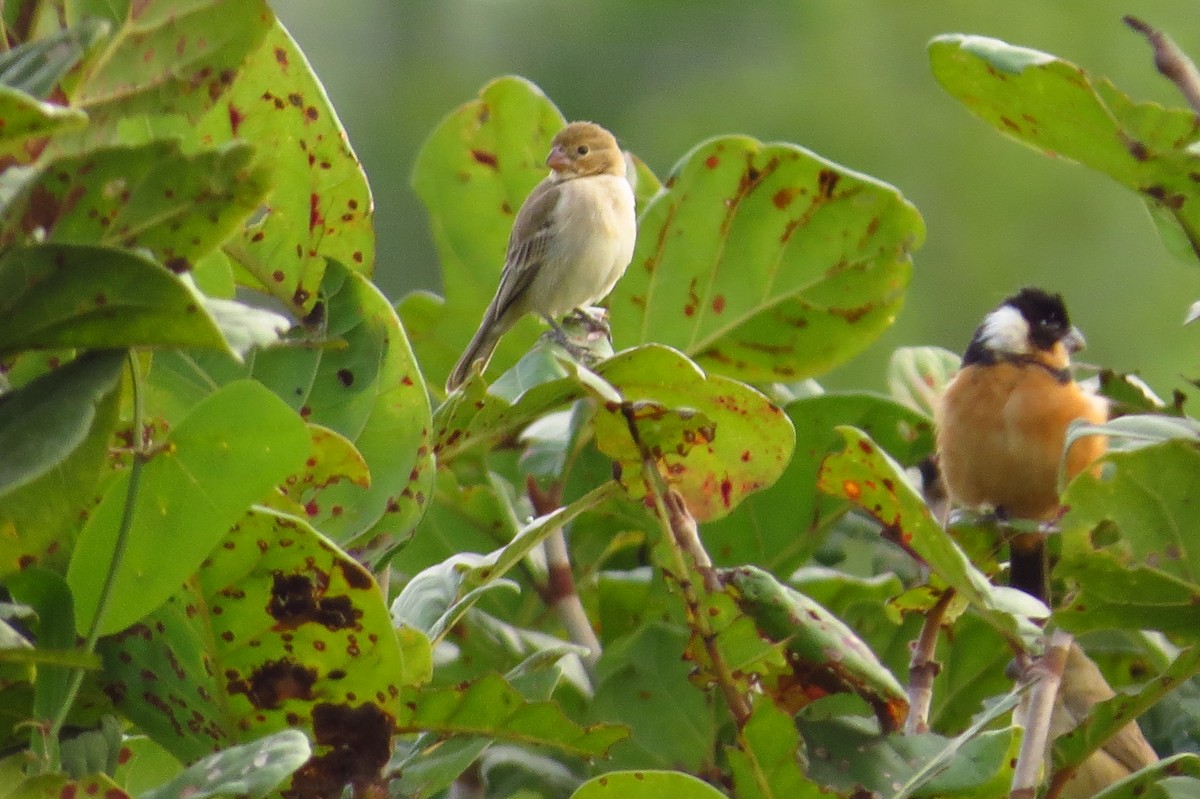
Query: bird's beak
[558, 160]
[1074, 341]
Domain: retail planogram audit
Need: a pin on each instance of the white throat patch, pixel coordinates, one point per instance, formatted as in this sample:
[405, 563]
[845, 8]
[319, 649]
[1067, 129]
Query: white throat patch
[1005, 330]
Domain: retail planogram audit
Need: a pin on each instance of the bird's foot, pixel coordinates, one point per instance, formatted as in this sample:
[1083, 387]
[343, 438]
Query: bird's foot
[594, 321]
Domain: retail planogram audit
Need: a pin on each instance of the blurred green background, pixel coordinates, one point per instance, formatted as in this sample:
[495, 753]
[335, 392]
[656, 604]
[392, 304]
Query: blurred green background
[846, 78]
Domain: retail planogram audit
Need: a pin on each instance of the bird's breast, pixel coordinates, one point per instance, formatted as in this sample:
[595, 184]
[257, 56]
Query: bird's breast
[595, 231]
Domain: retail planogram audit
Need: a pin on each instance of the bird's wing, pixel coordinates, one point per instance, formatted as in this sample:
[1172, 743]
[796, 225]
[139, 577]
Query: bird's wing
[527, 245]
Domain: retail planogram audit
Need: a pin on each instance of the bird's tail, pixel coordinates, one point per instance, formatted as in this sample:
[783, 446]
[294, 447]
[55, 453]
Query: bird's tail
[1027, 566]
[480, 349]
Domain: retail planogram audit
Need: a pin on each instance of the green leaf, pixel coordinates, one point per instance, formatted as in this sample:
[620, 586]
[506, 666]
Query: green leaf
[644, 784]
[321, 206]
[252, 768]
[824, 655]
[229, 452]
[642, 681]
[745, 450]
[54, 433]
[433, 599]
[28, 119]
[152, 196]
[1176, 777]
[848, 754]
[871, 480]
[168, 57]
[53, 628]
[744, 447]
[34, 67]
[783, 525]
[64, 295]
[1060, 110]
[917, 376]
[55, 786]
[278, 629]
[359, 378]
[1107, 718]
[499, 562]
[1126, 544]
[766, 262]
[769, 766]
[1137, 430]
[490, 706]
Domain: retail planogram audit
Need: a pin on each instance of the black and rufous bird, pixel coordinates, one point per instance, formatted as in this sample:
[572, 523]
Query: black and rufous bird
[1002, 422]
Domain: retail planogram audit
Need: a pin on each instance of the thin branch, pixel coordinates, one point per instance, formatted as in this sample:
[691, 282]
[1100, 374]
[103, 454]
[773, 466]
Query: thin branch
[141, 454]
[1172, 62]
[687, 535]
[923, 667]
[1046, 675]
[560, 593]
[677, 514]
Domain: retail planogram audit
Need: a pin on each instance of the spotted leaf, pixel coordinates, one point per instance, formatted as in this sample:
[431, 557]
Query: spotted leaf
[166, 57]
[1125, 542]
[152, 196]
[278, 629]
[57, 296]
[873, 482]
[1062, 111]
[766, 262]
[54, 433]
[321, 206]
[229, 452]
[356, 376]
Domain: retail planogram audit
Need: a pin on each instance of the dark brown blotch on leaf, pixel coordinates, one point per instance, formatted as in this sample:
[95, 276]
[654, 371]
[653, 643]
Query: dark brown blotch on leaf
[359, 741]
[274, 682]
[296, 599]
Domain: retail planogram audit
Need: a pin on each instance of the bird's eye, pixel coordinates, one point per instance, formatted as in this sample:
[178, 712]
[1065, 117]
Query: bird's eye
[582, 149]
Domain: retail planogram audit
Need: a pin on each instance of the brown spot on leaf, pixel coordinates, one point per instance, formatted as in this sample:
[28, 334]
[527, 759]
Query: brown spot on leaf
[718, 303]
[355, 576]
[235, 118]
[281, 57]
[274, 682]
[827, 181]
[359, 741]
[783, 198]
[297, 599]
[712, 161]
[851, 489]
[315, 219]
[345, 377]
[485, 158]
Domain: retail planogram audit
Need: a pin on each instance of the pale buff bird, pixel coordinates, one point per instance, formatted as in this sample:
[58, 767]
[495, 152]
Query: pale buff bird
[570, 243]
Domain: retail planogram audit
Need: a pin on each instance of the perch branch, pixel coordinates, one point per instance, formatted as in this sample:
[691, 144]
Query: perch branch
[923, 667]
[1046, 675]
[561, 593]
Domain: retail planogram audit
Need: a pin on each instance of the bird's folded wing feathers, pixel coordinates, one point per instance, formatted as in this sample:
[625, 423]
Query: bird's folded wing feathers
[527, 245]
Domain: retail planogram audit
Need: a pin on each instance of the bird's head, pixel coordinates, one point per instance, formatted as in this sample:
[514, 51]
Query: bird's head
[582, 149]
[1030, 324]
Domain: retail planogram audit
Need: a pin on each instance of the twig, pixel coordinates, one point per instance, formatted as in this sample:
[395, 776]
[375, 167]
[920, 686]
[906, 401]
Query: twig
[1046, 675]
[561, 594]
[687, 535]
[1172, 62]
[659, 492]
[923, 667]
[141, 454]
